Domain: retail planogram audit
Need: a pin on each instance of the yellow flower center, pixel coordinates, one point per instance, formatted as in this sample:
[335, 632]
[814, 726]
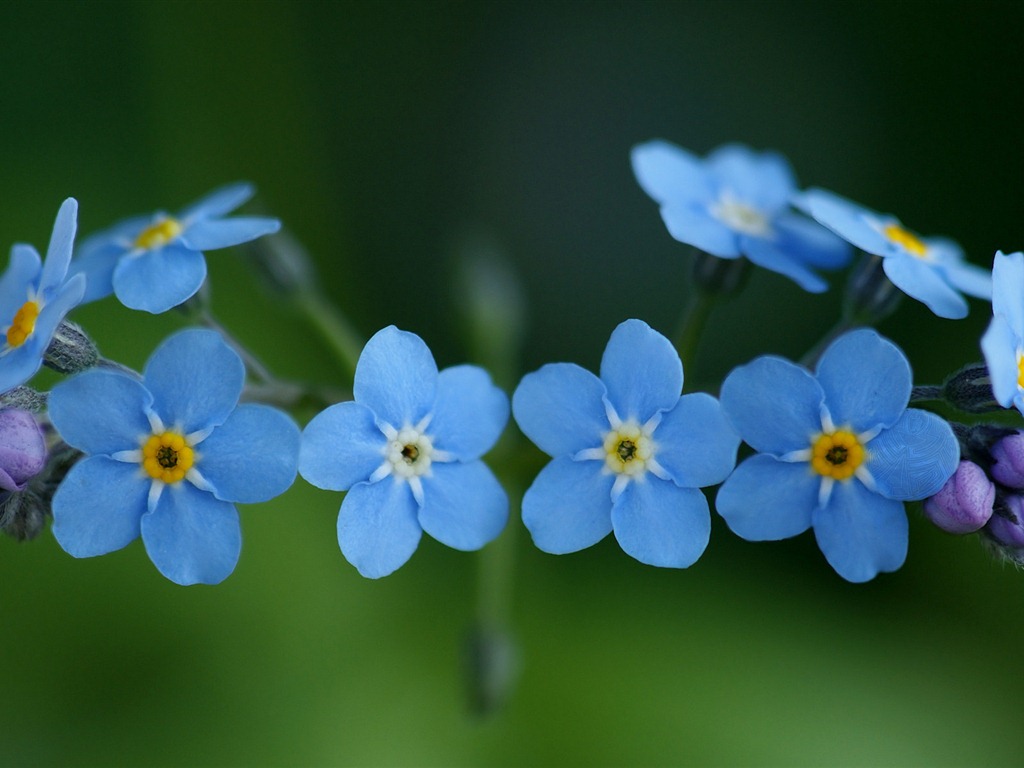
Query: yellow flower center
[167, 457]
[23, 324]
[837, 455]
[905, 239]
[627, 449]
[158, 235]
[1020, 370]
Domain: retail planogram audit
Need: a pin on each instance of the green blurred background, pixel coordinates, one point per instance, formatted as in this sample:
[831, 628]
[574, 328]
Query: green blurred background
[392, 139]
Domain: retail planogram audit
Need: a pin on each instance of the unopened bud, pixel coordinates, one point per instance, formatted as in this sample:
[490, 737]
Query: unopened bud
[71, 350]
[22, 449]
[970, 390]
[964, 503]
[1008, 461]
[1008, 530]
[24, 398]
[870, 295]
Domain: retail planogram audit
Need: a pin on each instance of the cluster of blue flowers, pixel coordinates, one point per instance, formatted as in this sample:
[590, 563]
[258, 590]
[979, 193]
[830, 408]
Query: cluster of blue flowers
[834, 445]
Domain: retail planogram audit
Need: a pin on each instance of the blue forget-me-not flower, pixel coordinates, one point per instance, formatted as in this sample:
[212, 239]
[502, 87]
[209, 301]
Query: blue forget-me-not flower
[167, 458]
[838, 450]
[929, 269]
[407, 450]
[35, 295]
[736, 202]
[156, 262]
[1003, 342]
[629, 453]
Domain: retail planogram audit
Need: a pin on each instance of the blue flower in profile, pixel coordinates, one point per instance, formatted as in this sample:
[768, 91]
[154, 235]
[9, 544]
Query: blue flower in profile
[35, 295]
[407, 450]
[735, 203]
[838, 450]
[1003, 342]
[156, 262]
[167, 458]
[930, 269]
[629, 453]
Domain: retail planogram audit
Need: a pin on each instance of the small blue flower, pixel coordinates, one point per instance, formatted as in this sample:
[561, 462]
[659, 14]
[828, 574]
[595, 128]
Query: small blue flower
[839, 451]
[737, 202]
[629, 453]
[168, 457]
[35, 296]
[407, 450]
[1003, 342]
[156, 262]
[931, 269]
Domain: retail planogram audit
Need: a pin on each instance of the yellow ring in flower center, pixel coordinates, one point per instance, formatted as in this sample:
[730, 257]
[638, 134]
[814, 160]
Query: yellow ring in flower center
[837, 455]
[907, 240]
[627, 449]
[167, 457]
[23, 324]
[158, 234]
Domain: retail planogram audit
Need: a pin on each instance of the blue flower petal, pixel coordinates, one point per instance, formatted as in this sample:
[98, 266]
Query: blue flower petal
[847, 219]
[1007, 290]
[561, 409]
[207, 235]
[396, 377]
[659, 523]
[766, 499]
[191, 537]
[763, 180]
[866, 379]
[195, 379]
[915, 458]
[641, 371]
[22, 271]
[922, 281]
[774, 404]
[58, 255]
[19, 365]
[970, 279]
[670, 173]
[252, 456]
[97, 256]
[98, 505]
[66, 298]
[341, 446]
[767, 255]
[811, 243]
[999, 344]
[464, 505]
[378, 528]
[155, 281]
[218, 203]
[101, 412]
[569, 505]
[696, 226]
[861, 533]
[470, 413]
[696, 443]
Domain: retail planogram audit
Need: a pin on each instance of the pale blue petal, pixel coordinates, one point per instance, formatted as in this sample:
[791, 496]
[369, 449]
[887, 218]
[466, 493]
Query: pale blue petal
[921, 281]
[58, 255]
[341, 446]
[19, 365]
[191, 537]
[696, 443]
[866, 379]
[97, 256]
[378, 529]
[98, 505]
[774, 404]
[101, 411]
[694, 225]
[470, 413]
[1008, 290]
[56, 307]
[915, 458]
[766, 499]
[154, 281]
[464, 505]
[999, 344]
[767, 255]
[659, 523]
[196, 380]
[209, 234]
[396, 377]
[219, 202]
[763, 180]
[810, 243]
[861, 533]
[21, 272]
[847, 219]
[561, 409]
[252, 456]
[641, 371]
[569, 505]
[969, 278]
[669, 173]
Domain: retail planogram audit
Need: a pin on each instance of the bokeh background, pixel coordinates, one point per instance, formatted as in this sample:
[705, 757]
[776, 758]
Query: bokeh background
[393, 139]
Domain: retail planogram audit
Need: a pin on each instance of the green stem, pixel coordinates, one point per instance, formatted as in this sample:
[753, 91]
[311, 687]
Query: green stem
[334, 327]
[691, 325]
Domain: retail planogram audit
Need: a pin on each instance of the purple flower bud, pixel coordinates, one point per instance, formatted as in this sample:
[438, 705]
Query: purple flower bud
[22, 449]
[964, 503]
[1005, 531]
[1008, 461]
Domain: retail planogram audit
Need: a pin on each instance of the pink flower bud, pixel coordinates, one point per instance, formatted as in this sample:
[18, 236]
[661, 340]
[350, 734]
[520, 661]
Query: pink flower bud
[964, 503]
